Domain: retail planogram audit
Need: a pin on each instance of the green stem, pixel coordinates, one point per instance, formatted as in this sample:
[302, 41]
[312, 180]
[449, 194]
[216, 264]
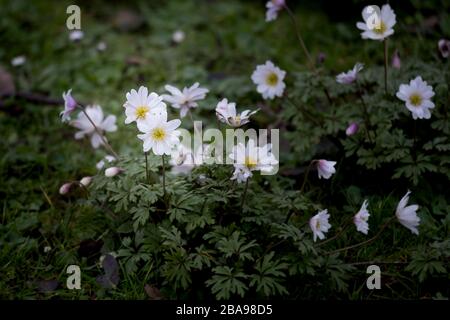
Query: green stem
[164, 175]
[299, 37]
[192, 119]
[146, 167]
[306, 51]
[364, 242]
[344, 227]
[244, 195]
[306, 175]
[385, 65]
[365, 111]
[97, 130]
[291, 212]
[415, 140]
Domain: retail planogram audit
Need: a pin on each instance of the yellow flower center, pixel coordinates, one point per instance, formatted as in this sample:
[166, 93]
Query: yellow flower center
[250, 163]
[272, 79]
[318, 224]
[380, 28]
[158, 134]
[415, 99]
[236, 120]
[141, 111]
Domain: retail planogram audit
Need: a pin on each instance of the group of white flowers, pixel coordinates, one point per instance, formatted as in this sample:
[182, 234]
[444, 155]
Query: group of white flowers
[417, 94]
[162, 137]
[149, 111]
[406, 215]
[417, 97]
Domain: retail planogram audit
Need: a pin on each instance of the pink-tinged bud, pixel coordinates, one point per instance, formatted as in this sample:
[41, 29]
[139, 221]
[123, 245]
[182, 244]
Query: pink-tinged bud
[70, 106]
[86, 181]
[65, 188]
[444, 47]
[325, 169]
[321, 58]
[396, 62]
[113, 171]
[352, 129]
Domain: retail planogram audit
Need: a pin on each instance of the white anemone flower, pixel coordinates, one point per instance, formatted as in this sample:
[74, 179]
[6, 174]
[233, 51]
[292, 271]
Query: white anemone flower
[273, 7]
[417, 96]
[325, 169]
[407, 215]
[140, 105]
[269, 80]
[377, 26]
[351, 75]
[251, 158]
[183, 159]
[70, 105]
[226, 113]
[186, 99]
[159, 135]
[319, 224]
[86, 128]
[361, 218]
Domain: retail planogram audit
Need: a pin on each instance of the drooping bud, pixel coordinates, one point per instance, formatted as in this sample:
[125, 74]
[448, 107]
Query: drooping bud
[65, 188]
[86, 181]
[113, 171]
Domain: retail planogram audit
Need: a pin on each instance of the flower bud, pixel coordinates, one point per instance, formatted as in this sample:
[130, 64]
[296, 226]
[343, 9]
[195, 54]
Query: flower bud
[321, 58]
[352, 129]
[65, 188]
[113, 171]
[444, 47]
[86, 181]
[178, 36]
[70, 105]
[396, 62]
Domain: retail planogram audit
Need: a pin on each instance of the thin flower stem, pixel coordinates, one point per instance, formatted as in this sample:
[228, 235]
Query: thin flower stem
[97, 130]
[364, 242]
[305, 50]
[289, 215]
[385, 66]
[365, 111]
[192, 119]
[343, 228]
[306, 175]
[415, 139]
[146, 167]
[82, 186]
[291, 212]
[244, 195]
[312, 118]
[327, 94]
[299, 37]
[164, 175]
